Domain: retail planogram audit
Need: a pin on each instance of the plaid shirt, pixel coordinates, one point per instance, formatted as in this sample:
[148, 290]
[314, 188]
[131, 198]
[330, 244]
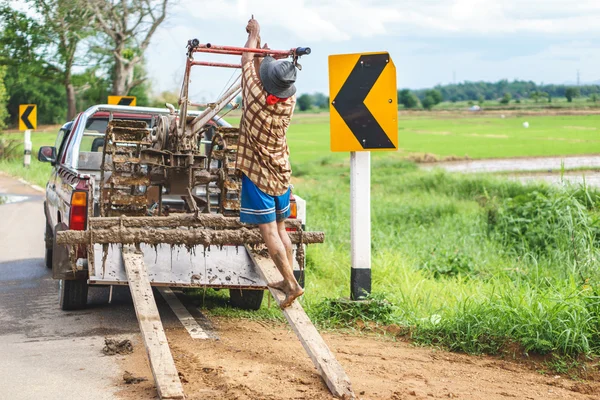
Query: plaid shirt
[263, 153]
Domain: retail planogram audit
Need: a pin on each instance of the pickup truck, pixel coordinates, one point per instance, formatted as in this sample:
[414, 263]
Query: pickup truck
[73, 196]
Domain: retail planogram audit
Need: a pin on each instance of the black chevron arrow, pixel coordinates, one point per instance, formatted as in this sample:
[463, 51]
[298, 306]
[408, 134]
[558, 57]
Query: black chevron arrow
[25, 117]
[349, 102]
[125, 101]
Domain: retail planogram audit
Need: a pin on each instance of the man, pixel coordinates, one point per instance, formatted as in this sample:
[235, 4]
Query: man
[263, 155]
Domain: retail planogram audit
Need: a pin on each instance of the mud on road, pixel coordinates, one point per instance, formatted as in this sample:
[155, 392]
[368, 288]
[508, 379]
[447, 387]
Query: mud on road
[264, 360]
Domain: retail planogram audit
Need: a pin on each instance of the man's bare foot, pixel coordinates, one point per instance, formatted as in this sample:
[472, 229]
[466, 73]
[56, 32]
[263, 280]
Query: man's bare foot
[291, 296]
[281, 285]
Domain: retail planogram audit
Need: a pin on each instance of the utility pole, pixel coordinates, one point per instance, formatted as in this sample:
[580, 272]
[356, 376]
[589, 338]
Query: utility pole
[577, 77]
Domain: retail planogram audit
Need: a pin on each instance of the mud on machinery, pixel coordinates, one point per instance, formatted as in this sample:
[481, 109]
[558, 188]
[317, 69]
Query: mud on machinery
[151, 157]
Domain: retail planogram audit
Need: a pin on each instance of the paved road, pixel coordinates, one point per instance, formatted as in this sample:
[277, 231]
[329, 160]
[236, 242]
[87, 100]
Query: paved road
[547, 169]
[46, 353]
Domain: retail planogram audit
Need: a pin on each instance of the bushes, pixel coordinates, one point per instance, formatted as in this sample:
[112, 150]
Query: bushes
[557, 228]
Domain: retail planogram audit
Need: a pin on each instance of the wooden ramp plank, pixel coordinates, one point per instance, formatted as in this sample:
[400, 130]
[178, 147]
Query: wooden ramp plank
[161, 361]
[328, 366]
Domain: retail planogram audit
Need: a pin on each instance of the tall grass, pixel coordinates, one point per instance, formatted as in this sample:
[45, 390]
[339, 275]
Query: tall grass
[474, 263]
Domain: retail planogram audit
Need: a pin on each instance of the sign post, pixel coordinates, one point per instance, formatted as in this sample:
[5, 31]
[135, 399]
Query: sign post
[360, 224]
[363, 118]
[27, 122]
[27, 149]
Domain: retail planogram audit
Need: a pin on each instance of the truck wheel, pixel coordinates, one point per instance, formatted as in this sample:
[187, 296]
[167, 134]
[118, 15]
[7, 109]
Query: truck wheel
[73, 294]
[48, 240]
[246, 299]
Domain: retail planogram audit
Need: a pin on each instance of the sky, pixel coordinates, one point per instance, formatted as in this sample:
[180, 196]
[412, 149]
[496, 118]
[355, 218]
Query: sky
[430, 41]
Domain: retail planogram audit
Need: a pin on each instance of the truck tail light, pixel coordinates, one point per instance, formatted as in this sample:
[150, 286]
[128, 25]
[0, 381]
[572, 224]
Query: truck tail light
[78, 215]
[293, 207]
[293, 211]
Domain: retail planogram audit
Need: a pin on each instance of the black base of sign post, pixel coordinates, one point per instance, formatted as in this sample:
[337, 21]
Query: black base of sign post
[360, 283]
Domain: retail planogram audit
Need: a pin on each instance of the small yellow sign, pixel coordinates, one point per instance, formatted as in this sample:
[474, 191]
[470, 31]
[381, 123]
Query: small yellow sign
[363, 102]
[122, 100]
[27, 117]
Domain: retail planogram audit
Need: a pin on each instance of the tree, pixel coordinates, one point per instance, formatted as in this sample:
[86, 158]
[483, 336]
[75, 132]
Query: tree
[593, 97]
[65, 22]
[29, 78]
[305, 102]
[44, 45]
[432, 98]
[128, 26]
[93, 88]
[320, 100]
[3, 99]
[535, 96]
[407, 98]
[570, 93]
[506, 98]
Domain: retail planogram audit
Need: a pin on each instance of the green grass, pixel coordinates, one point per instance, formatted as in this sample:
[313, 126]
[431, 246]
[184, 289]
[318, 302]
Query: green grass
[485, 137]
[462, 260]
[38, 173]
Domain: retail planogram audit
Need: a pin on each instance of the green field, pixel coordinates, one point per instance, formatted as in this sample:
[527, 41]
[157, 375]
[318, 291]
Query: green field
[485, 137]
[472, 263]
[476, 137]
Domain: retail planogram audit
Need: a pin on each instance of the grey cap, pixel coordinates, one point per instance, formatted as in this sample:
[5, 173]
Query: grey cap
[278, 77]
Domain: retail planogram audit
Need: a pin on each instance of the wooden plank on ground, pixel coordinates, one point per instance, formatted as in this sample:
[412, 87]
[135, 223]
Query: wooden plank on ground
[161, 361]
[328, 366]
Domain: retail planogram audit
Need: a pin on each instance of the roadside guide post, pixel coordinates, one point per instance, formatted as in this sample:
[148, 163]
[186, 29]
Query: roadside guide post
[363, 118]
[27, 149]
[27, 122]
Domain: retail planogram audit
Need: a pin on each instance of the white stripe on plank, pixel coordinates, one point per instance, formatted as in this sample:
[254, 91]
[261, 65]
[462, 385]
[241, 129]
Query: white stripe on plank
[188, 321]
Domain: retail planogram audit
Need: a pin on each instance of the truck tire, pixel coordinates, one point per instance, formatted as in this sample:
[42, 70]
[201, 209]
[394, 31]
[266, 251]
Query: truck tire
[73, 294]
[246, 299]
[48, 240]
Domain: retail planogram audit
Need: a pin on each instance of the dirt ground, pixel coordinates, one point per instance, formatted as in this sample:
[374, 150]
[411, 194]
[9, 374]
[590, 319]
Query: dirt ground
[260, 360]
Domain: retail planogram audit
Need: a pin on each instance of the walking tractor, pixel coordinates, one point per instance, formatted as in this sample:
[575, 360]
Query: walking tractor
[151, 197]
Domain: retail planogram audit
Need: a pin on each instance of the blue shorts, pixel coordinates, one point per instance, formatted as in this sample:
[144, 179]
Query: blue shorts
[260, 208]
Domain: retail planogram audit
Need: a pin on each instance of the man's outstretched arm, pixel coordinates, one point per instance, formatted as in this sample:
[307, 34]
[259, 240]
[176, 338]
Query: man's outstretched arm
[253, 29]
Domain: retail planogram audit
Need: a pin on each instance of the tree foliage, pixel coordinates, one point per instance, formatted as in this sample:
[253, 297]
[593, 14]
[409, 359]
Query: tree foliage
[495, 90]
[305, 102]
[66, 24]
[29, 78]
[572, 92]
[319, 100]
[41, 47]
[432, 98]
[3, 99]
[127, 26]
[407, 98]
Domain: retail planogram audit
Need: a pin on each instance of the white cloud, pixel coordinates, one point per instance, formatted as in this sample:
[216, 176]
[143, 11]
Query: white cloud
[542, 40]
[339, 20]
